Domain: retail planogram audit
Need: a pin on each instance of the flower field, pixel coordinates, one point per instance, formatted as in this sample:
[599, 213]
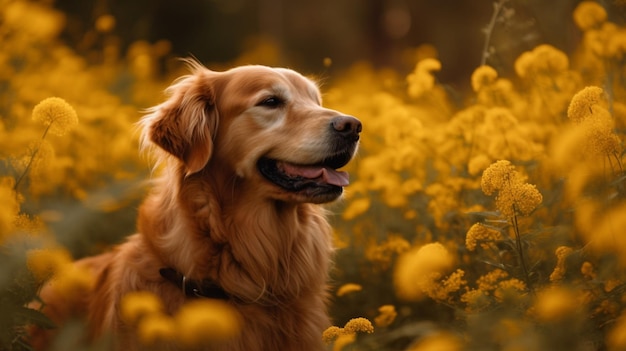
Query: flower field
[486, 219]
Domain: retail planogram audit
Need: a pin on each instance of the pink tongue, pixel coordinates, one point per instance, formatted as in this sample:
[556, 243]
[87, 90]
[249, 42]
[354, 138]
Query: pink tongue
[328, 175]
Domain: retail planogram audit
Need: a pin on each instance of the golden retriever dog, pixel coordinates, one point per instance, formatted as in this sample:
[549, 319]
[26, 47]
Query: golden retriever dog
[247, 157]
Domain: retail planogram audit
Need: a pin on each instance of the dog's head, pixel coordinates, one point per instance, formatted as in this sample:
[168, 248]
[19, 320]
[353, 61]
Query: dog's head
[259, 125]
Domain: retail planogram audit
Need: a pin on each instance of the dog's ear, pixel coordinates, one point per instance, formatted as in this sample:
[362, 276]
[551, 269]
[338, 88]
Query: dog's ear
[185, 124]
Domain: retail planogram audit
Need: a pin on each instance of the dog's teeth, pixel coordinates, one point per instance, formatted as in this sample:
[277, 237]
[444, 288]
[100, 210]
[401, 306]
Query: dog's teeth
[280, 166]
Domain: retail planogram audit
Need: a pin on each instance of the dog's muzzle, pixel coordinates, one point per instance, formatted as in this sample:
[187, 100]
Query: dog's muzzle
[321, 181]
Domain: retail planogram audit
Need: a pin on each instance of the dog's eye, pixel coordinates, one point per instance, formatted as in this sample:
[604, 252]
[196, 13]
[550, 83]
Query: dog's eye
[271, 102]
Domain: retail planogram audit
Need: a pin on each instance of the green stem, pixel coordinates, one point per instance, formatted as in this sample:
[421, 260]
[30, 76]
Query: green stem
[518, 241]
[497, 7]
[520, 250]
[30, 162]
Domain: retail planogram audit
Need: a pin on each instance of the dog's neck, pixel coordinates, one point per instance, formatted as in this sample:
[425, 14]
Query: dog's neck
[259, 250]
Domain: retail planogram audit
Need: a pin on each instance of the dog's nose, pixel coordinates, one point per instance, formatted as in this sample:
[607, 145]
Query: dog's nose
[347, 126]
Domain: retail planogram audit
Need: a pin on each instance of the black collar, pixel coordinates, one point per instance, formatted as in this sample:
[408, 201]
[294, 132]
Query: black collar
[194, 288]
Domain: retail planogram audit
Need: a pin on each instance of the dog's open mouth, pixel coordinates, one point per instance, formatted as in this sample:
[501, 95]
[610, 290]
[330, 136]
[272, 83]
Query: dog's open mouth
[317, 178]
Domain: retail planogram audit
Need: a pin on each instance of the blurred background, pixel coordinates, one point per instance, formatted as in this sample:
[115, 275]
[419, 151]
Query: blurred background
[383, 32]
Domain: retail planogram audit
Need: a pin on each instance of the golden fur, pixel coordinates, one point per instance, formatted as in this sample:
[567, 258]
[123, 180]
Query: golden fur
[213, 215]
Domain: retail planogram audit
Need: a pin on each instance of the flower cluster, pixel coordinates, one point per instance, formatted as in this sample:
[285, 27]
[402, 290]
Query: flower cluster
[480, 234]
[55, 267]
[383, 254]
[197, 323]
[561, 255]
[514, 195]
[589, 14]
[347, 335]
[462, 185]
[491, 288]
[419, 270]
[387, 314]
[555, 303]
[56, 114]
[422, 80]
[589, 110]
[348, 288]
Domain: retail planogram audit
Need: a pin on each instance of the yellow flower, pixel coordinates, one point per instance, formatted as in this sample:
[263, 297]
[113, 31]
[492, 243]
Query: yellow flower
[360, 324]
[475, 300]
[608, 307]
[429, 64]
[500, 93]
[592, 135]
[490, 281]
[561, 255]
[34, 19]
[555, 303]
[551, 59]
[500, 117]
[348, 288]
[331, 333]
[156, 327]
[587, 270]
[28, 224]
[589, 14]
[138, 304]
[604, 237]
[421, 80]
[444, 198]
[480, 234]
[387, 314]
[510, 288]
[410, 214]
[411, 186]
[600, 138]
[44, 263]
[438, 342]
[478, 164]
[597, 42]
[509, 331]
[584, 102]
[73, 281]
[616, 337]
[562, 252]
[382, 254]
[344, 340]
[417, 268]
[105, 23]
[611, 284]
[441, 290]
[356, 208]
[523, 62]
[506, 201]
[542, 60]
[56, 114]
[514, 196]
[206, 321]
[497, 176]
[519, 198]
[483, 76]
[616, 47]
[338, 335]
